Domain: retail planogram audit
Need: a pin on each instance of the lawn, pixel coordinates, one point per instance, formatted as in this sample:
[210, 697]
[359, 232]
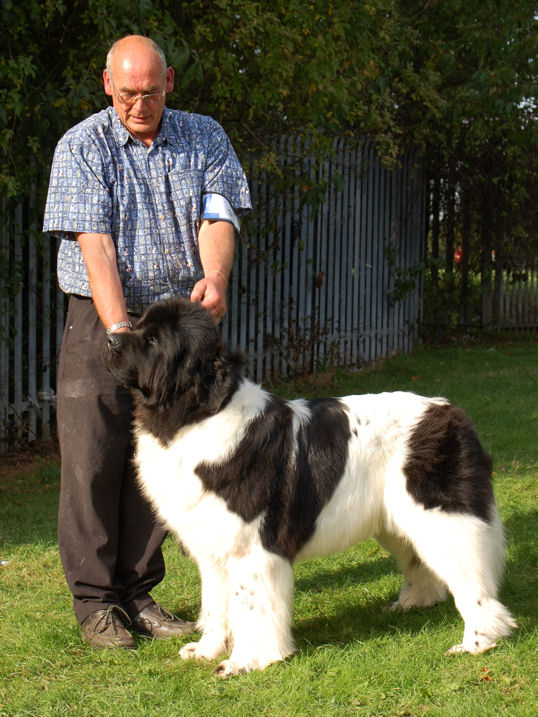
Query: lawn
[353, 658]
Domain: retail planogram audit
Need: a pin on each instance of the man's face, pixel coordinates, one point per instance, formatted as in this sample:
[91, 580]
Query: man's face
[136, 70]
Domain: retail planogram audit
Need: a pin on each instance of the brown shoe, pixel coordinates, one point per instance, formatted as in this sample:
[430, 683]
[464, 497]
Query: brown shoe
[155, 621]
[106, 628]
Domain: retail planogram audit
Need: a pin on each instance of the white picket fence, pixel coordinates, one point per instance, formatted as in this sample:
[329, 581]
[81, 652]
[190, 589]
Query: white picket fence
[312, 285]
[518, 300]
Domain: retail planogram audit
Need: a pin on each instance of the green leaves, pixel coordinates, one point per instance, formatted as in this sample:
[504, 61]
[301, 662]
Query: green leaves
[454, 79]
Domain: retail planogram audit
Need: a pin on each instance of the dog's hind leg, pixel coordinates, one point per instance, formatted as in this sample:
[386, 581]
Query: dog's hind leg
[213, 620]
[466, 553]
[260, 611]
[421, 588]
[474, 580]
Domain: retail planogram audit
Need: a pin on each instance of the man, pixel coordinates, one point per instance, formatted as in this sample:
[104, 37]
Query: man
[145, 201]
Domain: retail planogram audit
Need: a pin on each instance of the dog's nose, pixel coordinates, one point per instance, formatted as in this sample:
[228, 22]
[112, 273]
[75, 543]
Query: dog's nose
[112, 341]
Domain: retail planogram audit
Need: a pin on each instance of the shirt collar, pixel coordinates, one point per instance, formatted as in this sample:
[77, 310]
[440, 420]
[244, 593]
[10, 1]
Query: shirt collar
[122, 134]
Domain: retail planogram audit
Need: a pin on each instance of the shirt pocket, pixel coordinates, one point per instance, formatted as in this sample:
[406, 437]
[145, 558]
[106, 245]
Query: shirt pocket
[186, 196]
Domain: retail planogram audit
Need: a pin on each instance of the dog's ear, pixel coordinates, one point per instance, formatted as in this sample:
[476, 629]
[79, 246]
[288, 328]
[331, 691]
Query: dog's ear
[228, 370]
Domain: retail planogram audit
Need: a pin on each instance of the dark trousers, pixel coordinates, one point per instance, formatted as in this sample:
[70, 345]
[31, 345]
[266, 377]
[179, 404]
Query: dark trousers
[110, 543]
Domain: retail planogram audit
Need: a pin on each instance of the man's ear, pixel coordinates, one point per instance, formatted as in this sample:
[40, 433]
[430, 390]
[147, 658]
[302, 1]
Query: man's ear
[169, 85]
[107, 82]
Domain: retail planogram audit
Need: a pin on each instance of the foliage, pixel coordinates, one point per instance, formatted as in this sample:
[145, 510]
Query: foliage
[260, 69]
[440, 72]
[456, 79]
[479, 133]
[444, 303]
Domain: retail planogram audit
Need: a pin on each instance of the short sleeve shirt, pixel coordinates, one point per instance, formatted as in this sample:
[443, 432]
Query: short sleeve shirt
[148, 198]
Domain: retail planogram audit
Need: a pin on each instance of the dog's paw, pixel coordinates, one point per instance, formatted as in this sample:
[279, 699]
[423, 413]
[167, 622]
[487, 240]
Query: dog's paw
[200, 651]
[228, 668]
[455, 650]
[477, 649]
[189, 651]
[396, 606]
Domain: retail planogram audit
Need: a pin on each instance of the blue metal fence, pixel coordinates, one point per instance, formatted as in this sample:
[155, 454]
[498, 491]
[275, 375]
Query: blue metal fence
[314, 284]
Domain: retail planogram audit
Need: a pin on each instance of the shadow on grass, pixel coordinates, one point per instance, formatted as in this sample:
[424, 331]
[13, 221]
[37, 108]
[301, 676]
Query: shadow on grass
[520, 586]
[339, 621]
[29, 506]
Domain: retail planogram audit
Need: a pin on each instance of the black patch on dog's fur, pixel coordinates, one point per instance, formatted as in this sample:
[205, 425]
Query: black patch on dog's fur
[290, 478]
[447, 467]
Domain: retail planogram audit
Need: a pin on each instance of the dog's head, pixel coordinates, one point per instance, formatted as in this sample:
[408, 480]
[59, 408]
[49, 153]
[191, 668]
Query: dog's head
[175, 362]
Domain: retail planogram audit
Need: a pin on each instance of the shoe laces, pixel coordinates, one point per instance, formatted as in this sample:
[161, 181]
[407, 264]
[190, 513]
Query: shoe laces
[111, 618]
[165, 614]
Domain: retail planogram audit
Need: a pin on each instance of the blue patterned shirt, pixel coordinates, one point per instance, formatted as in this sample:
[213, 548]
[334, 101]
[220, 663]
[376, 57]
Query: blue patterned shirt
[148, 198]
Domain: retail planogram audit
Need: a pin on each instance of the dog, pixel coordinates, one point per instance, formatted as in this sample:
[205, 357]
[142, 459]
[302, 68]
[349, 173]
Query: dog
[251, 483]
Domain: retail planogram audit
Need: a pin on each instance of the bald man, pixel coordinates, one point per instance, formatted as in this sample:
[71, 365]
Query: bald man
[145, 202]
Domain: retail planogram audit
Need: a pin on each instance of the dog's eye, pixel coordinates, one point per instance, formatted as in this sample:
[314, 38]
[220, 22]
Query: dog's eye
[151, 341]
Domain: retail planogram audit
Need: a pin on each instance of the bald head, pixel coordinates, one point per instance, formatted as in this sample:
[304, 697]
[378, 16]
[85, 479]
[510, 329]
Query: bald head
[130, 48]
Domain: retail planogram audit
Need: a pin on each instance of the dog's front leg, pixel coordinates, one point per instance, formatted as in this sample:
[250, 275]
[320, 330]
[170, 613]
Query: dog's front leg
[261, 595]
[213, 620]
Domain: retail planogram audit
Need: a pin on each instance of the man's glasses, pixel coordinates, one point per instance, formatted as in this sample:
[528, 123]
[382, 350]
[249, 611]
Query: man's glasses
[129, 98]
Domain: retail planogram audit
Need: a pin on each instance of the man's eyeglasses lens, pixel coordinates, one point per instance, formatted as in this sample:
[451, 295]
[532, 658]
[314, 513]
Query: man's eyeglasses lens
[129, 99]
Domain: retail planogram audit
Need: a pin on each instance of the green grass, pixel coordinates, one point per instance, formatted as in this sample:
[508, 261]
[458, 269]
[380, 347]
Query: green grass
[353, 659]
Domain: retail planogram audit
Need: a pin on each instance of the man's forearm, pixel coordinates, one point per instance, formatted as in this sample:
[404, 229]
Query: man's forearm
[216, 243]
[99, 255]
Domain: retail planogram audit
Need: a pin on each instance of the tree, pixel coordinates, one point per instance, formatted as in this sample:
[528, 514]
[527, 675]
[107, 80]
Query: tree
[478, 133]
[456, 79]
[318, 68]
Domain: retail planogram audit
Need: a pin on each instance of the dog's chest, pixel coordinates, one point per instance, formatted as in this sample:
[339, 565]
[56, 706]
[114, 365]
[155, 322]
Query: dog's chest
[167, 473]
[198, 517]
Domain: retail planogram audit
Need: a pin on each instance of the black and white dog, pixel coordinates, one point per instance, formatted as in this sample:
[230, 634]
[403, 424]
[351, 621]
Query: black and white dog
[251, 483]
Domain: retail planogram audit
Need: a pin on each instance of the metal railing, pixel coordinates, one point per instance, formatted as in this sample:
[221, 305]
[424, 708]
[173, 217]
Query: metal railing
[313, 283]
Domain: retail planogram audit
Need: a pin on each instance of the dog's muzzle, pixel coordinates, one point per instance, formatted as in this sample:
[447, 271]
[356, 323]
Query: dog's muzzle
[112, 352]
[113, 342]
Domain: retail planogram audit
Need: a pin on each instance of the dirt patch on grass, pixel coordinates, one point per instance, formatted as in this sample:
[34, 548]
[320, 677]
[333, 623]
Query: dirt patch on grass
[27, 459]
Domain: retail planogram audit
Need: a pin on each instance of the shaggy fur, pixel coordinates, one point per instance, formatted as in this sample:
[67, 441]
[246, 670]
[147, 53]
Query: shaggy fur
[251, 483]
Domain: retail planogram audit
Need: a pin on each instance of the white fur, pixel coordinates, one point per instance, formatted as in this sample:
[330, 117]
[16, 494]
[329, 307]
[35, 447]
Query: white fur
[247, 590]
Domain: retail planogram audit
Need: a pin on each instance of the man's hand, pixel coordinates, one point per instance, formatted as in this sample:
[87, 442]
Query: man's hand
[211, 293]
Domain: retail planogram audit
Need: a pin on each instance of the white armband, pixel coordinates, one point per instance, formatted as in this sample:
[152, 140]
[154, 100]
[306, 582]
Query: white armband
[218, 208]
